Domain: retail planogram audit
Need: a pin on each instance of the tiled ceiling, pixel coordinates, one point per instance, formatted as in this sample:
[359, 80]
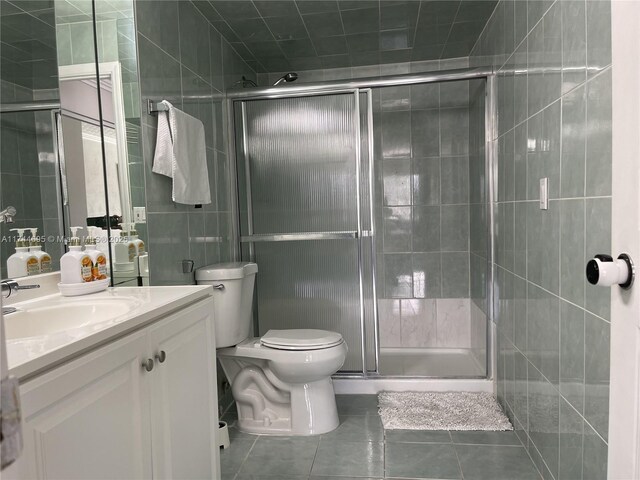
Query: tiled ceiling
[278, 35]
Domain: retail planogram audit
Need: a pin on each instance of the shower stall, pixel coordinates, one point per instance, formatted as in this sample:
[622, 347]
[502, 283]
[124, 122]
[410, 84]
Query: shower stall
[367, 205]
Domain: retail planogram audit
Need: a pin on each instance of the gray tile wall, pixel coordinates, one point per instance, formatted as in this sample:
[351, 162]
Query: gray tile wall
[554, 84]
[182, 56]
[422, 206]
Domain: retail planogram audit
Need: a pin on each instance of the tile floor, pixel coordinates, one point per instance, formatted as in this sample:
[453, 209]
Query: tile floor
[360, 449]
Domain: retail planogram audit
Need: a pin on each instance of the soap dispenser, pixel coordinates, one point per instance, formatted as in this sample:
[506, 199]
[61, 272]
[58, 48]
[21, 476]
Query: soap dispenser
[23, 262]
[44, 259]
[125, 252]
[133, 236]
[75, 265]
[98, 259]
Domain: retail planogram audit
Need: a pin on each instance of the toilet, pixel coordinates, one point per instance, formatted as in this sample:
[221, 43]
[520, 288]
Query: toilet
[281, 382]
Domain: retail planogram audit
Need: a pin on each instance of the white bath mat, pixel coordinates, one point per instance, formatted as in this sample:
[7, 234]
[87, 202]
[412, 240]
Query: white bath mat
[441, 411]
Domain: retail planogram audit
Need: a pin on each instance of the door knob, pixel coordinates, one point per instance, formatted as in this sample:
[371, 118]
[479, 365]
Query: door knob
[161, 356]
[604, 271]
[148, 364]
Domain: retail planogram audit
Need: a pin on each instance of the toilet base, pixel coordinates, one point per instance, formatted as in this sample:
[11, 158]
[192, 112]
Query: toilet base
[312, 411]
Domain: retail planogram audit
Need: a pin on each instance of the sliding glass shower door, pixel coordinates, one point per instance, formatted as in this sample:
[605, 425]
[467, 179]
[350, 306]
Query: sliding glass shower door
[300, 170]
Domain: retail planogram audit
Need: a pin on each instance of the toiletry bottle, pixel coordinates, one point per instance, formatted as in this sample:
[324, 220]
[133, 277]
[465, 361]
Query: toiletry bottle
[124, 253]
[22, 263]
[75, 265]
[139, 244]
[131, 246]
[44, 259]
[98, 259]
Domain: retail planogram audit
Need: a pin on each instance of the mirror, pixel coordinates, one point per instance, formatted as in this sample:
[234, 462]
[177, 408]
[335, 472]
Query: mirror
[28, 158]
[93, 132]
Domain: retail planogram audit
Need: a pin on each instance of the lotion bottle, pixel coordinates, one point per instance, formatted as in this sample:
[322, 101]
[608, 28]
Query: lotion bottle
[75, 265]
[22, 263]
[133, 236]
[44, 259]
[125, 252]
[98, 259]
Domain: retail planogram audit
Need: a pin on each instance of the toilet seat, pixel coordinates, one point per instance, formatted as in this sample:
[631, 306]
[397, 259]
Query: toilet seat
[300, 339]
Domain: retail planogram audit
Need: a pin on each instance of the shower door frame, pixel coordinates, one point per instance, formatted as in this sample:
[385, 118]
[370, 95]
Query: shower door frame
[357, 87]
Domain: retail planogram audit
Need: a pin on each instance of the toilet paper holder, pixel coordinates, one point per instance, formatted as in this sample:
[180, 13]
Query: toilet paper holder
[602, 270]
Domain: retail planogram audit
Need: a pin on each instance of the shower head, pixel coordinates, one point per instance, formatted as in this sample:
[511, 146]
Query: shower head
[287, 78]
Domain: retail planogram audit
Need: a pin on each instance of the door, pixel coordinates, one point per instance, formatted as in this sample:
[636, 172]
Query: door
[184, 403]
[624, 408]
[300, 175]
[89, 419]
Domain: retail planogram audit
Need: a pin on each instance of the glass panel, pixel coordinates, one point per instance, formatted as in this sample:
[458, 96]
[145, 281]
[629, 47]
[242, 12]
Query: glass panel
[311, 284]
[301, 156]
[302, 164]
[429, 151]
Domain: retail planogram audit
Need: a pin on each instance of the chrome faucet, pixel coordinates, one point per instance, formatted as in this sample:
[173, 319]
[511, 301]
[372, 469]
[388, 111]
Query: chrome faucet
[7, 215]
[11, 287]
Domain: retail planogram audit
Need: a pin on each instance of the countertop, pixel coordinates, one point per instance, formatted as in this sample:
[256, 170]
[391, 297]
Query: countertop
[28, 357]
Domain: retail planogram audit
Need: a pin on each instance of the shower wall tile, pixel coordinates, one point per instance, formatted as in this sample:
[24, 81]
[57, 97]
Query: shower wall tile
[426, 229]
[425, 133]
[598, 161]
[572, 354]
[397, 229]
[398, 281]
[396, 134]
[574, 44]
[427, 275]
[453, 326]
[454, 236]
[425, 178]
[594, 455]
[455, 180]
[418, 323]
[455, 275]
[560, 58]
[574, 116]
[389, 318]
[182, 56]
[571, 432]
[596, 371]
[396, 174]
[454, 131]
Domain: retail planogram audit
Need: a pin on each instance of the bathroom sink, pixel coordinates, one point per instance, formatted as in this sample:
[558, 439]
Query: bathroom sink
[36, 319]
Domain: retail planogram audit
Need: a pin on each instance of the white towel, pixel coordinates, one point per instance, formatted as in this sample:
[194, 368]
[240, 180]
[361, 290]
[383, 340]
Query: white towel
[181, 154]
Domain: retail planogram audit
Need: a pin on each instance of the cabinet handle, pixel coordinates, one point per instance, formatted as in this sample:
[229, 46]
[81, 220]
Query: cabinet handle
[148, 364]
[162, 356]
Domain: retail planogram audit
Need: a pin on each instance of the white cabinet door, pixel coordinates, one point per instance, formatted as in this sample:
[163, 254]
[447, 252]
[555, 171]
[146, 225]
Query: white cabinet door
[184, 417]
[89, 419]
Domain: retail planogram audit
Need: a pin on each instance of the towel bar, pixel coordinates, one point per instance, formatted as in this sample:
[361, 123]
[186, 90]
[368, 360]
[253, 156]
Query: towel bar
[153, 107]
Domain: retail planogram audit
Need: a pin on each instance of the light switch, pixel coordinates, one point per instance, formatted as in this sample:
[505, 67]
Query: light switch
[544, 193]
[139, 214]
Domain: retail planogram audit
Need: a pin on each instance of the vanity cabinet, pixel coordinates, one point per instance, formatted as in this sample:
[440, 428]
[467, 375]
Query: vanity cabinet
[105, 416]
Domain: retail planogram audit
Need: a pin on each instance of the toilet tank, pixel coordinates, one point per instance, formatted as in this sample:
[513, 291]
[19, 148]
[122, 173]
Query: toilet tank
[232, 299]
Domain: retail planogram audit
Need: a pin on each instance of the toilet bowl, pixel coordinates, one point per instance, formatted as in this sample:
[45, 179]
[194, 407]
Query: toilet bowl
[281, 382]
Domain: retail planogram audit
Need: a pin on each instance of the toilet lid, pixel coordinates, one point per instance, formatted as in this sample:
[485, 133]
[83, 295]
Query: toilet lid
[300, 339]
